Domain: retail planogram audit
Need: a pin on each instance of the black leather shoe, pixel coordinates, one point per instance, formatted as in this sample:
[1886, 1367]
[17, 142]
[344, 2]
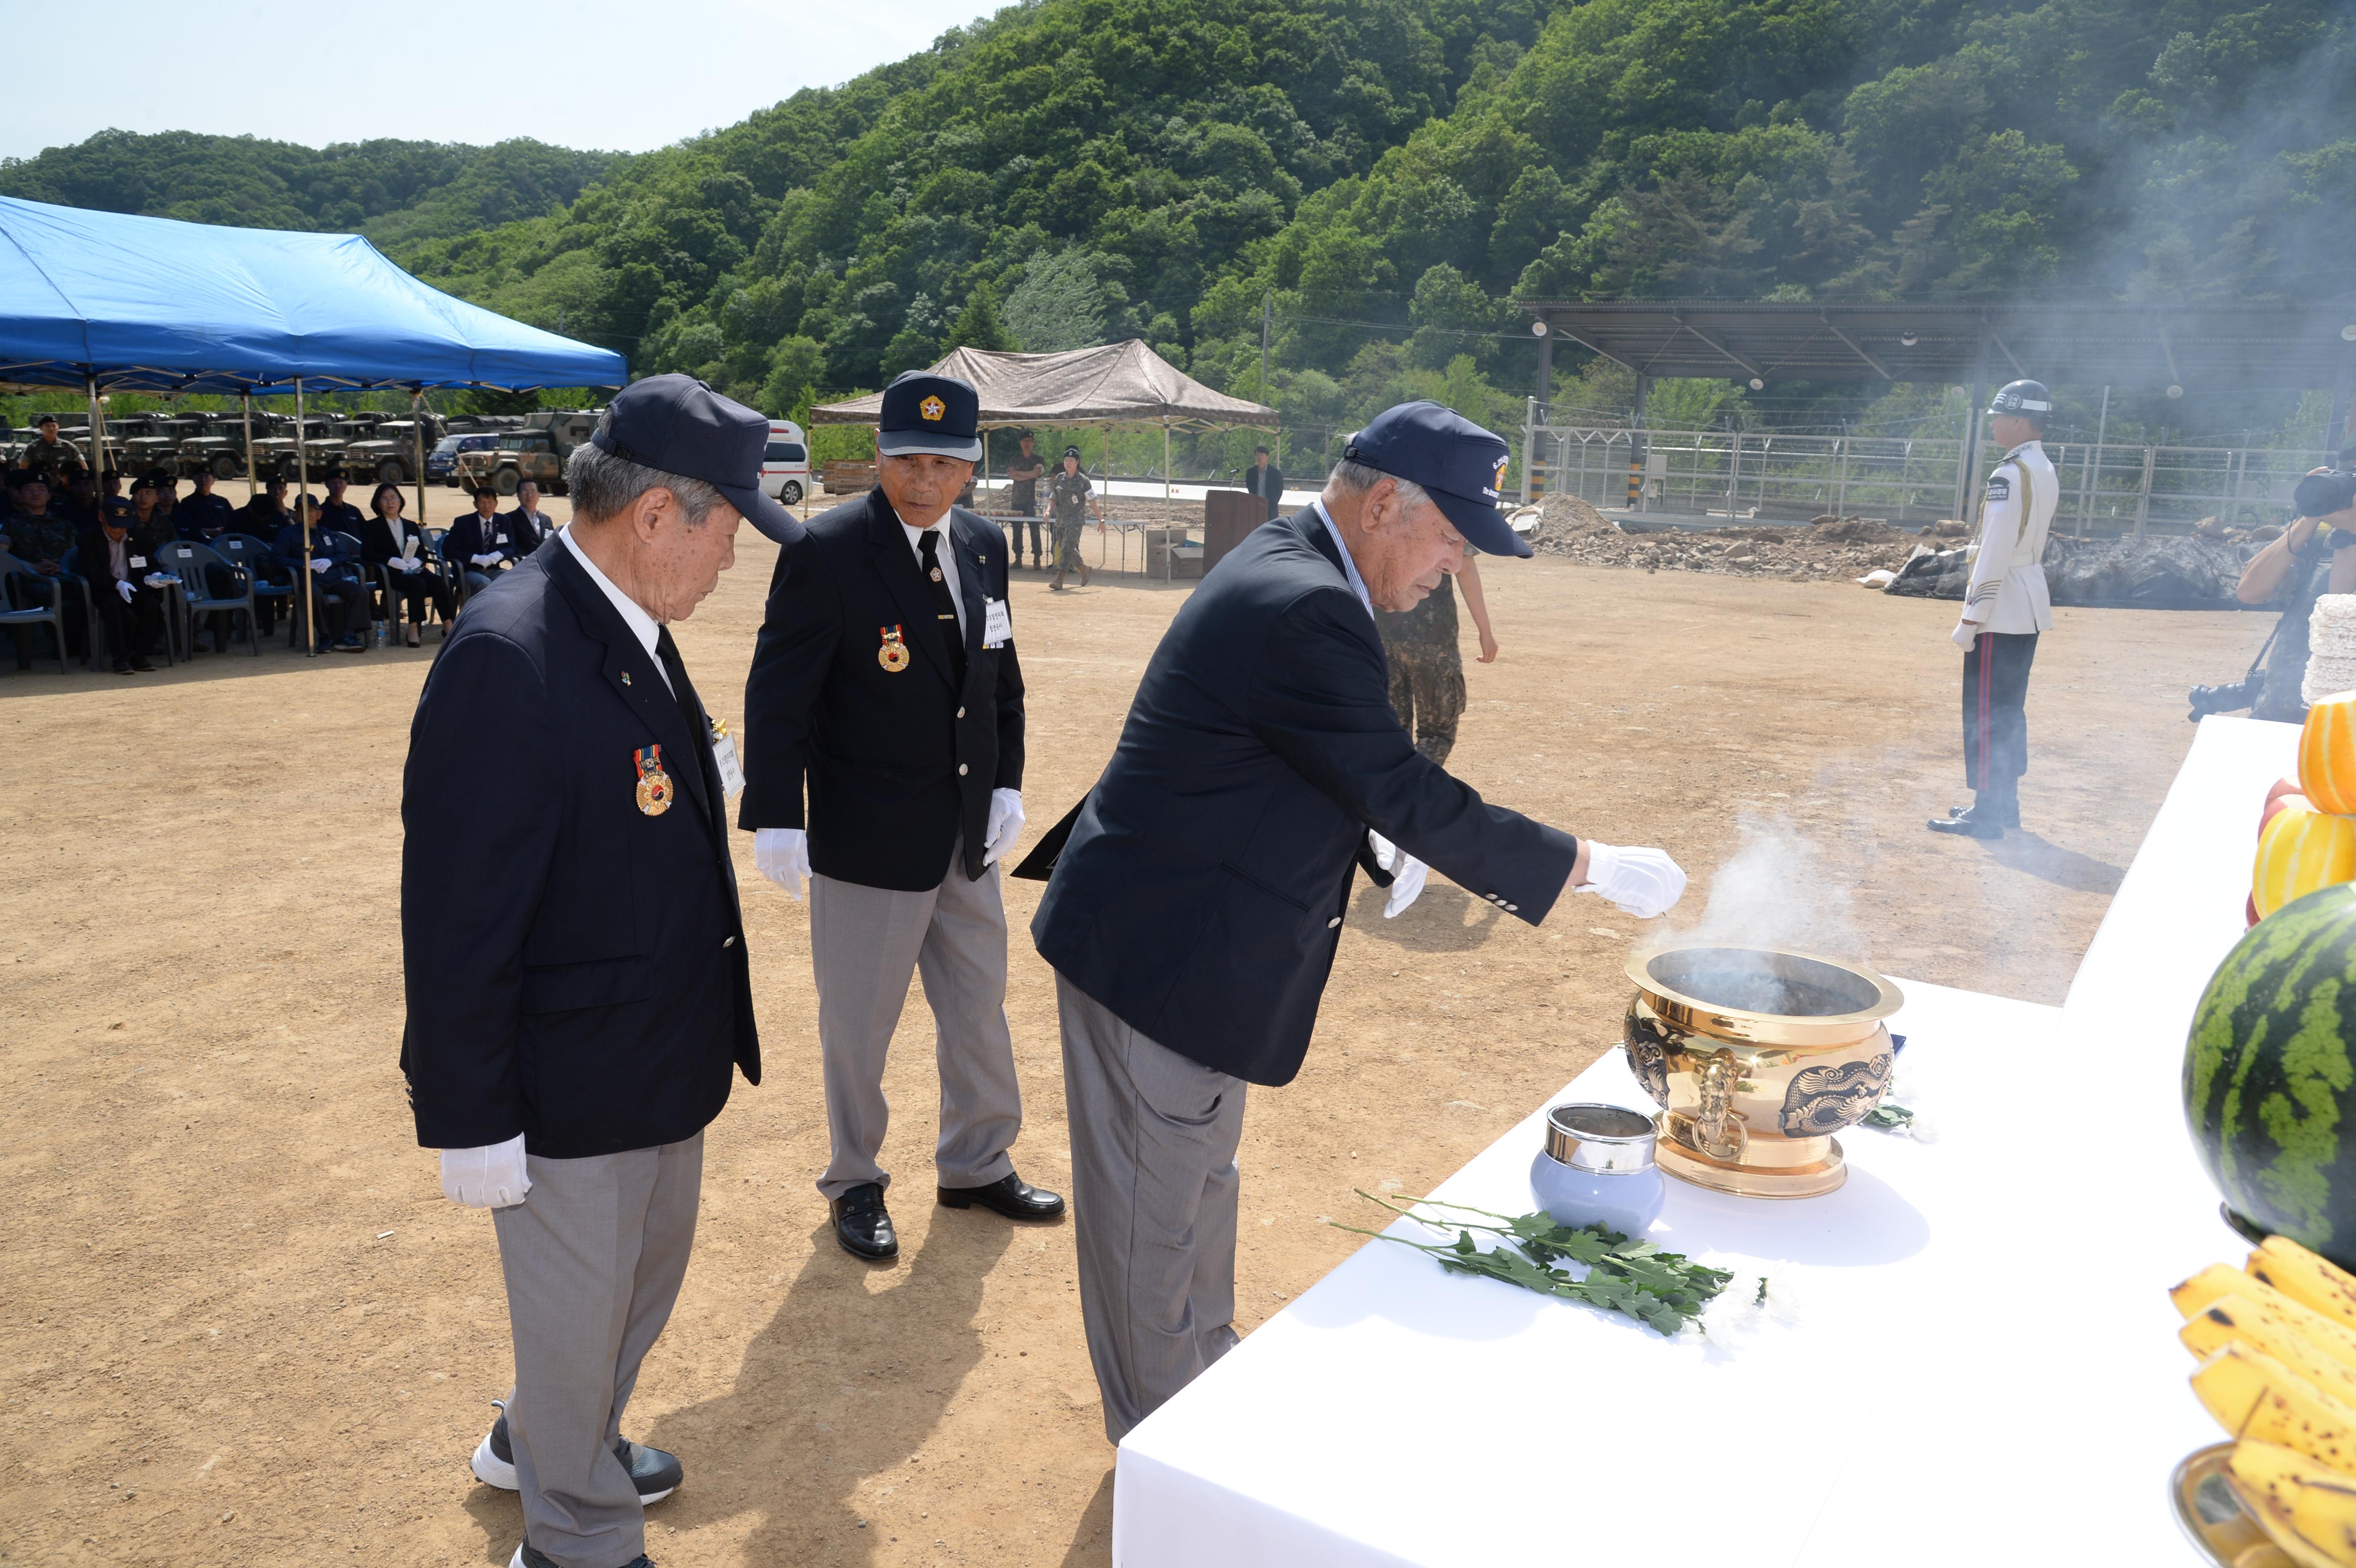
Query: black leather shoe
[1010, 1195]
[864, 1226]
[2006, 813]
[656, 1474]
[526, 1557]
[1969, 822]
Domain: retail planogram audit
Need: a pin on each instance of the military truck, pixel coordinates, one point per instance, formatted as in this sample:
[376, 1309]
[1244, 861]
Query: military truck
[219, 445]
[389, 451]
[157, 450]
[536, 452]
[274, 444]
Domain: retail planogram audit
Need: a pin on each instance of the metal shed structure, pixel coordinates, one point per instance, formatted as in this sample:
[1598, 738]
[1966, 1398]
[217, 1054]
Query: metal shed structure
[2221, 344]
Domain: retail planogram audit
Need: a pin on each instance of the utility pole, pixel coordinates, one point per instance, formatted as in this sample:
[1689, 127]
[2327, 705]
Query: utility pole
[1267, 308]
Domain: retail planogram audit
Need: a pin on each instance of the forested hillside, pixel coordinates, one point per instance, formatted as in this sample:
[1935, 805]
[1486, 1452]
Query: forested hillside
[394, 192]
[1383, 176]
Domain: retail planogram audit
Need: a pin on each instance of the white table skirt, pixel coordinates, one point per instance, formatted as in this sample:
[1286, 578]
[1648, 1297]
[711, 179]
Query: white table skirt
[1967, 1356]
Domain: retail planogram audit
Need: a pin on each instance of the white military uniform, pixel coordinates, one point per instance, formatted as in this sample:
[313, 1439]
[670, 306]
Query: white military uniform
[2007, 591]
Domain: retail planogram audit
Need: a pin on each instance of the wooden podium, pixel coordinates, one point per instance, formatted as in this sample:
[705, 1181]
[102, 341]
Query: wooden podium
[1228, 517]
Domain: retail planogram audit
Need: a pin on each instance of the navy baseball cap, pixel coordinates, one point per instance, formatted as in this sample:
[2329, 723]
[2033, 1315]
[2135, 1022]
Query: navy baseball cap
[679, 425]
[924, 412]
[1459, 465]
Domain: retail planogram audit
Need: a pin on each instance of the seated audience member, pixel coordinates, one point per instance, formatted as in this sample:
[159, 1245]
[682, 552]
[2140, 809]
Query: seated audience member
[340, 599]
[388, 539]
[38, 535]
[117, 560]
[528, 526]
[168, 502]
[265, 512]
[480, 544]
[204, 516]
[78, 502]
[337, 513]
[146, 511]
[112, 502]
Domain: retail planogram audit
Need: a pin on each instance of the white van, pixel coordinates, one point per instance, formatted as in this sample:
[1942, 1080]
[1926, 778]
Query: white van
[784, 466]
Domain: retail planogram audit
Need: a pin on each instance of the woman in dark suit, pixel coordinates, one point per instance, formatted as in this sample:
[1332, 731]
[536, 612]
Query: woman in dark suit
[385, 541]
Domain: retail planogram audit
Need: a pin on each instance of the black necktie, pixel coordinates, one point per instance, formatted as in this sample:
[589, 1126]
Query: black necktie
[691, 707]
[944, 602]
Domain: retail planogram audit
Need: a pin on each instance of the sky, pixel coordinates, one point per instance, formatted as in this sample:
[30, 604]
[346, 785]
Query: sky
[624, 77]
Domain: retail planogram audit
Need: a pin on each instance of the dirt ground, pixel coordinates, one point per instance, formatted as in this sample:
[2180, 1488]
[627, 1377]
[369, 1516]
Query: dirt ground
[245, 1328]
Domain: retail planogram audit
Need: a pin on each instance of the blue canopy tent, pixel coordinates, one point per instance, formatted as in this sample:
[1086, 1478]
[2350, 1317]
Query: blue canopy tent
[107, 301]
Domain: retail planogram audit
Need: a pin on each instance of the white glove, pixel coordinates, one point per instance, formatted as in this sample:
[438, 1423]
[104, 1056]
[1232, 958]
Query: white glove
[1006, 821]
[782, 855]
[1641, 882]
[489, 558]
[491, 1177]
[1406, 873]
[409, 563]
[122, 588]
[1966, 633]
[321, 562]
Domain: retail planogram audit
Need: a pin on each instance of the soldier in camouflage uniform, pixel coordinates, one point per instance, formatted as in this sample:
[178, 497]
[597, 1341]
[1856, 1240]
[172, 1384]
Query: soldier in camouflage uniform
[1426, 670]
[1069, 494]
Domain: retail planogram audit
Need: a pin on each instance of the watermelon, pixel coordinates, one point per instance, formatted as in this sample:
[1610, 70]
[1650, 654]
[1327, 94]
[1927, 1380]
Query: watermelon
[2270, 1074]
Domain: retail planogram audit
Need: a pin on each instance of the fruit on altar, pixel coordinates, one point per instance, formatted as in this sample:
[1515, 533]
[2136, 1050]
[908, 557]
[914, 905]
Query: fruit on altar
[2275, 804]
[2327, 753]
[2306, 1508]
[2309, 1280]
[2253, 1396]
[2220, 1280]
[2286, 785]
[2256, 1307]
[2269, 1077]
[2300, 850]
[2239, 1321]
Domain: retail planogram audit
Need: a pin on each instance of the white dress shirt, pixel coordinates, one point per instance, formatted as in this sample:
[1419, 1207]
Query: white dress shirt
[642, 626]
[1357, 583]
[946, 553]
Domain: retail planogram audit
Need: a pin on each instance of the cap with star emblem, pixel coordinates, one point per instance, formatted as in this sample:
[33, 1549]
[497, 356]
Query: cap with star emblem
[926, 413]
[1460, 465]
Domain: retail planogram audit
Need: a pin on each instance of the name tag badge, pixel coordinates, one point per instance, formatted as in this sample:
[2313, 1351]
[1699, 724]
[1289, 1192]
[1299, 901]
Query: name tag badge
[997, 625]
[732, 773]
[139, 561]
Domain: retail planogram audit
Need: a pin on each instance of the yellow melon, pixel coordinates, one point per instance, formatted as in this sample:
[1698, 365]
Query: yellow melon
[2301, 849]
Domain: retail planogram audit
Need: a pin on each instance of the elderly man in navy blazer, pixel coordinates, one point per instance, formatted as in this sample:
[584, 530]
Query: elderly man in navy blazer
[578, 996]
[884, 685]
[1194, 908]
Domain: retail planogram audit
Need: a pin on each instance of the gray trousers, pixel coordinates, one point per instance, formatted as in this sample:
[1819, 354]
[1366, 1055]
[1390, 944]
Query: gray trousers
[864, 945]
[1154, 1206]
[593, 1258]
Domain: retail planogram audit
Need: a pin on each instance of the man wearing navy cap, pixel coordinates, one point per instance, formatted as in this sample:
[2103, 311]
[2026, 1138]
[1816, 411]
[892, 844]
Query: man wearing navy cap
[578, 995]
[885, 687]
[1194, 908]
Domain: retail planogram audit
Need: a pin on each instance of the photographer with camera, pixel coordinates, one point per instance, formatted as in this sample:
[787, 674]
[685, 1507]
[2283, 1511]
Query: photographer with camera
[2313, 556]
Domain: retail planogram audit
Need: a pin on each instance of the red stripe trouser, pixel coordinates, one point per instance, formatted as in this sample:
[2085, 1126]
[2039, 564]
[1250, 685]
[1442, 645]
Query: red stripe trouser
[1996, 720]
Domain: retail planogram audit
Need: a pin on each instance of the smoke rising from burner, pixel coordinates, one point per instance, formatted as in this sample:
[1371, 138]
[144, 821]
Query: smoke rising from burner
[1778, 889]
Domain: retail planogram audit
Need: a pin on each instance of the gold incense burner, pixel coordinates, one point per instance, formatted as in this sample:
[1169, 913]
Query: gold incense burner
[1756, 1057]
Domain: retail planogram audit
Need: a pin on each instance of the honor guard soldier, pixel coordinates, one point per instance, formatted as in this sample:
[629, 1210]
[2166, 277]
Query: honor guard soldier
[579, 1002]
[885, 688]
[2004, 608]
[1195, 905]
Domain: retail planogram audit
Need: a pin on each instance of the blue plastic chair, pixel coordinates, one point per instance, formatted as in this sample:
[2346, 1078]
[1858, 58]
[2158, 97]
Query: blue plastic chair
[19, 583]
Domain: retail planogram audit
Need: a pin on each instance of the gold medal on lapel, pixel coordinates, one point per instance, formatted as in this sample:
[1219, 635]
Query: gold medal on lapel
[893, 654]
[654, 785]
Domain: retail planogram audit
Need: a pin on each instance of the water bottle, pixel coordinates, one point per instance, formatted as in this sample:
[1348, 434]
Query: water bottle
[379, 634]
